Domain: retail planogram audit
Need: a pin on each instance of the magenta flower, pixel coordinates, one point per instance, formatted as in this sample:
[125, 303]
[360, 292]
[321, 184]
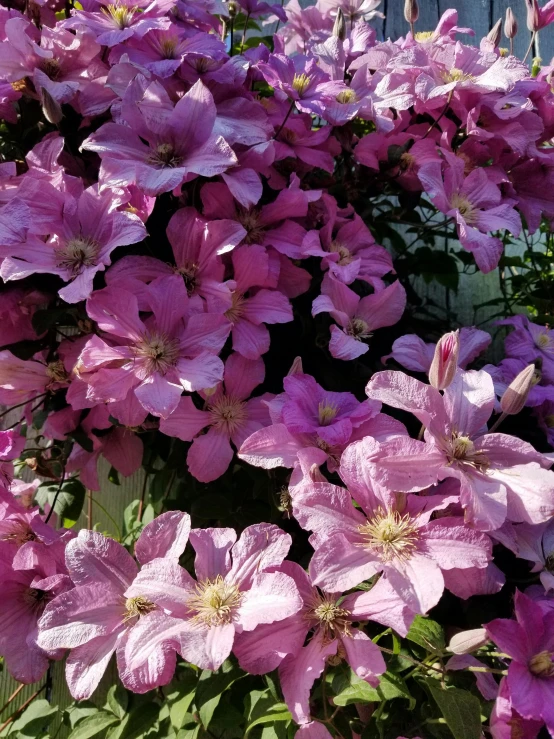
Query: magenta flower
[255, 9]
[158, 358]
[120, 20]
[59, 65]
[197, 246]
[529, 341]
[298, 140]
[535, 543]
[252, 306]
[229, 416]
[79, 246]
[180, 141]
[529, 642]
[96, 617]
[17, 306]
[505, 720]
[311, 426]
[236, 589]
[357, 317]
[352, 544]
[500, 476]
[416, 355]
[475, 203]
[26, 379]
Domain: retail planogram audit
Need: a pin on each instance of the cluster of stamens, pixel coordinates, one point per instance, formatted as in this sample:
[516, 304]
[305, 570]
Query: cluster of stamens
[51, 68]
[164, 155]
[158, 352]
[215, 602]
[76, 254]
[237, 307]
[136, 607]
[188, 272]
[390, 534]
[250, 221]
[541, 664]
[346, 96]
[345, 257]
[358, 329]
[301, 82]
[464, 207]
[121, 15]
[19, 533]
[457, 75]
[326, 412]
[56, 371]
[331, 618]
[228, 414]
[462, 449]
[544, 342]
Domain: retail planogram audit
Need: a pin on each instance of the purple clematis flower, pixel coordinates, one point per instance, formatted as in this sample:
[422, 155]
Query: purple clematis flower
[180, 142]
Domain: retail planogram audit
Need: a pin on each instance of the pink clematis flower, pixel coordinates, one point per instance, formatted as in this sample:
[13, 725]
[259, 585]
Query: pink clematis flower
[505, 721]
[529, 642]
[384, 534]
[229, 416]
[79, 246]
[500, 476]
[17, 306]
[475, 203]
[158, 358]
[27, 379]
[197, 246]
[180, 140]
[535, 543]
[357, 317]
[236, 590]
[96, 617]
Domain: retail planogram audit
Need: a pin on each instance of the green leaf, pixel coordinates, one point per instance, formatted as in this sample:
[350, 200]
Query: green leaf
[461, 710]
[428, 634]
[117, 700]
[180, 701]
[390, 686]
[138, 721]
[278, 712]
[93, 725]
[35, 719]
[211, 687]
[70, 500]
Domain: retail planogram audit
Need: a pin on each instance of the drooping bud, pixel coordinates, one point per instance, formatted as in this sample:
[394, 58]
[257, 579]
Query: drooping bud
[495, 34]
[339, 29]
[533, 15]
[51, 108]
[411, 11]
[517, 392]
[445, 362]
[296, 367]
[468, 641]
[510, 24]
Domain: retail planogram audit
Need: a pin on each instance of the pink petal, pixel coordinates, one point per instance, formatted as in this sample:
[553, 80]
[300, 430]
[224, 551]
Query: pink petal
[209, 455]
[272, 597]
[165, 536]
[212, 547]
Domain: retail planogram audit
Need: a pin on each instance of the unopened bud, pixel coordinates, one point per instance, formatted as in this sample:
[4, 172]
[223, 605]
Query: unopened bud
[445, 362]
[495, 34]
[339, 29]
[517, 391]
[232, 8]
[468, 641]
[536, 66]
[510, 24]
[296, 367]
[411, 11]
[533, 15]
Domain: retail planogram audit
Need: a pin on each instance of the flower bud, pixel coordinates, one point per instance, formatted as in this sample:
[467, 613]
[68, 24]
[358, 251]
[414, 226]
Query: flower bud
[50, 107]
[445, 362]
[296, 367]
[517, 391]
[411, 11]
[536, 66]
[495, 34]
[533, 15]
[468, 641]
[510, 24]
[339, 29]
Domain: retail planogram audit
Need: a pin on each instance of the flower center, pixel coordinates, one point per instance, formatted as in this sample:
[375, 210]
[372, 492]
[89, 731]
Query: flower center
[228, 413]
[288, 136]
[301, 82]
[164, 155]
[326, 412]
[250, 221]
[358, 329]
[462, 449]
[329, 616]
[392, 535]
[236, 309]
[121, 15]
[346, 96]
[51, 68]
[36, 599]
[467, 211]
[345, 257]
[423, 36]
[136, 607]
[457, 75]
[544, 342]
[541, 665]
[56, 371]
[168, 46]
[215, 602]
[20, 533]
[188, 272]
[158, 351]
[76, 254]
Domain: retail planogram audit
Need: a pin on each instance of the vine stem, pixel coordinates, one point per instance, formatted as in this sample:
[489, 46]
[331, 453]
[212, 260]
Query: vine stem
[285, 119]
[29, 400]
[58, 491]
[15, 693]
[21, 708]
[533, 36]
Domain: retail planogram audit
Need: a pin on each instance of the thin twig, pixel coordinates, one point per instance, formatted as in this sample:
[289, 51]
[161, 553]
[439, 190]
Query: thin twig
[530, 45]
[284, 120]
[58, 491]
[142, 497]
[243, 39]
[15, 693]
[21, 708]
[29, 400]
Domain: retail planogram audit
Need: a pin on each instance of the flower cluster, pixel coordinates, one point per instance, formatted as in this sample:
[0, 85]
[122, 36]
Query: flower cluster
[191, 206]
